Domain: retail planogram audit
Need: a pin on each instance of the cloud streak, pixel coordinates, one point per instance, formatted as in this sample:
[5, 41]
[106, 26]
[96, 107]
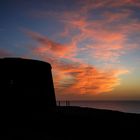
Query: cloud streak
[71, 75]
[47, 46]
[108, 34]
[97, 29]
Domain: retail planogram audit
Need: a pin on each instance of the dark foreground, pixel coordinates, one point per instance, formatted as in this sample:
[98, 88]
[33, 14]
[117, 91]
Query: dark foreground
[71, 122]
[28, 108]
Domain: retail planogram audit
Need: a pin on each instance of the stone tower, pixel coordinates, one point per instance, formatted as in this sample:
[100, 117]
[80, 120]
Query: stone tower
[26, 84]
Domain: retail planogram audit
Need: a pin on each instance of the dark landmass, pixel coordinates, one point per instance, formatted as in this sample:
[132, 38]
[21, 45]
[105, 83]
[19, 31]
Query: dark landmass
[29, 111]
[75, 122]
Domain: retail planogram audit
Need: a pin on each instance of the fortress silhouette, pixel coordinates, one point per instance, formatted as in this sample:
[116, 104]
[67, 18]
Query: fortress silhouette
[26, 84]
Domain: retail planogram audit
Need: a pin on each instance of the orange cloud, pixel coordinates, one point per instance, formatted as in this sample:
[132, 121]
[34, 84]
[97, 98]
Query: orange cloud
[109, 41]
[71, 77]
[85, 79]
[47, 46]
[118, 16]
[102, 39]
[89, 80]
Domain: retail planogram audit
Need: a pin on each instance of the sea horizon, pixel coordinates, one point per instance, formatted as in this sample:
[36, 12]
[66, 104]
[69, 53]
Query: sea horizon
[129, 106]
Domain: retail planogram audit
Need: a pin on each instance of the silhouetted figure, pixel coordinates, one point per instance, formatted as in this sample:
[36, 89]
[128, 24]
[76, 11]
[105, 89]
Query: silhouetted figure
[67, 103]
[59, 103]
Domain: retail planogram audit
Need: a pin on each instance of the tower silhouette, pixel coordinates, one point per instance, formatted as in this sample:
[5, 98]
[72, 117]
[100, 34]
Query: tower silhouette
[26, 85]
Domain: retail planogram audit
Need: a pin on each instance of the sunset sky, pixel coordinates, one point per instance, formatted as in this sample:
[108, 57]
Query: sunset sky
[92, 45]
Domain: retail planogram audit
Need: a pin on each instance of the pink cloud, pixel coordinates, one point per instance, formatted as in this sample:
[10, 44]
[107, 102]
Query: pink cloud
[71, 76]
[104, 39]
[109, 38]
[91, 4]
[118, 16]
[109, 43]
[47, 46]
[78, 79]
